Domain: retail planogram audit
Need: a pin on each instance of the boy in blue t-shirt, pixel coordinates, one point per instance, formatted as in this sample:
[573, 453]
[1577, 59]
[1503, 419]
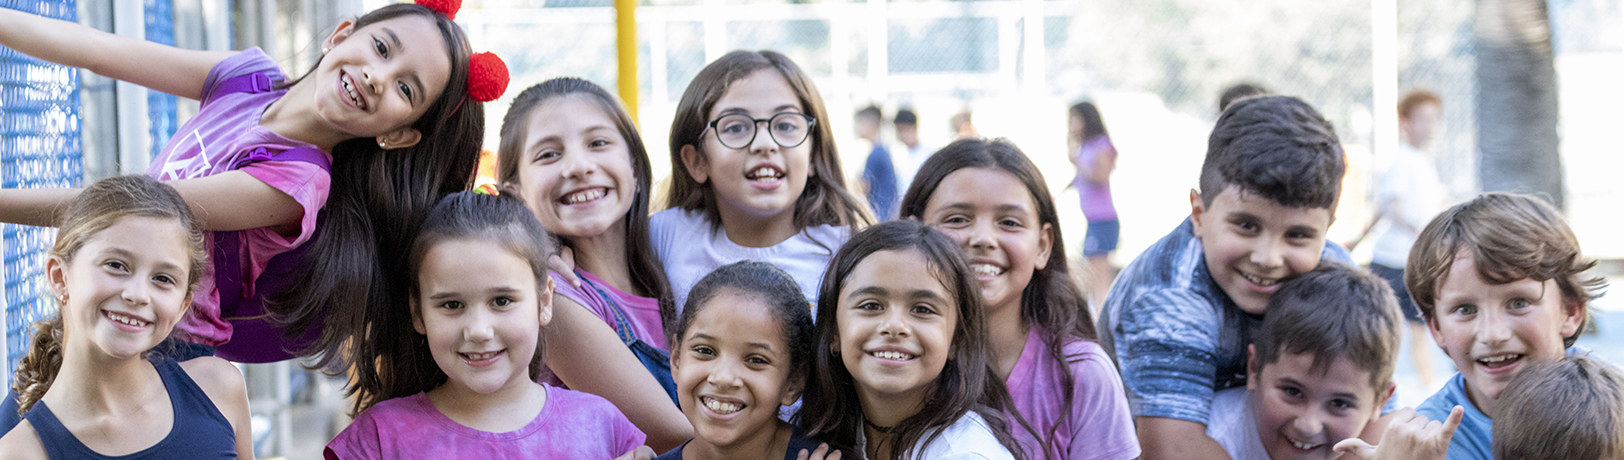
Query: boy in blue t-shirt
[1500, 281]
[1181, 315]
[1319, 372]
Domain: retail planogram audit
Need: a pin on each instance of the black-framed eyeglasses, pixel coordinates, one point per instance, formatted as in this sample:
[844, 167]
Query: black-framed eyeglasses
[737, 130]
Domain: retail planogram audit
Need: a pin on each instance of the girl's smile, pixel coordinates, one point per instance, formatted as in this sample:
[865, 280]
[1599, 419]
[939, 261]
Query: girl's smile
[125, 290]
[732, 370]
[760, 181]
[481, 314]
[895, 322]
[1000, 231]
[380, 78]
[575, 168]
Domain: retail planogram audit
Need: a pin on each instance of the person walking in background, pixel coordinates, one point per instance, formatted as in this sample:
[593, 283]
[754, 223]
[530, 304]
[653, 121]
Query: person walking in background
[1407, 195]
[909, 152]
[1094, 157]
[879, 181]
[963, 126]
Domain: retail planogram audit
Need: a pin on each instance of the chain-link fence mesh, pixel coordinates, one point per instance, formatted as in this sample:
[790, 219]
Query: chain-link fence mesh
[39, 147]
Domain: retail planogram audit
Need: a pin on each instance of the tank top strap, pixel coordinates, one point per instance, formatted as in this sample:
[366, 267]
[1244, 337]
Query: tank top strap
[206, 429]
[58, 441]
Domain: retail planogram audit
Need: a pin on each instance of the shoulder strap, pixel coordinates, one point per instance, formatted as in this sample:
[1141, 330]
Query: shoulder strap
[256, 82]
[622, 324]
[305, 154]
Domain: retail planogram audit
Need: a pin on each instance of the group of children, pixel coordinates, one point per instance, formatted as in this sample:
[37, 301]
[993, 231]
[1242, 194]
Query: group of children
[764, 314]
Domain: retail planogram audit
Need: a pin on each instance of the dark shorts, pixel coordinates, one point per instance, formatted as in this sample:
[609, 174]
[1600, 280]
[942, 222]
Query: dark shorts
[1395, 278]
[1101, 238]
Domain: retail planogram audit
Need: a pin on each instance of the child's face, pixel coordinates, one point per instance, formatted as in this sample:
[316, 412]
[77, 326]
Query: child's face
[732, 370]
[575, 168]
[998, 227]
[762, 180]
[1490, 330]
[124, 293]
[1302, 413]
[896, 323]
[377, 80]
[1253, 244]
[482, 315]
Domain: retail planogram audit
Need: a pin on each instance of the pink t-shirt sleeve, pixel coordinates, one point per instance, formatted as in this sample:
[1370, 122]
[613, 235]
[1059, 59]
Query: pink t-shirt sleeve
[359, 441]
[308, 184]
[1103, 427]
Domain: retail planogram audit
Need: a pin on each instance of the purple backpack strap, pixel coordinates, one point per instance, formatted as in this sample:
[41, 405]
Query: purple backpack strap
[254, 339]
[251, 83]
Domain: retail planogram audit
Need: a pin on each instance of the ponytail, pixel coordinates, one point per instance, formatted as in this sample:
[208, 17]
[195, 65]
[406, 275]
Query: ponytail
[38, 370]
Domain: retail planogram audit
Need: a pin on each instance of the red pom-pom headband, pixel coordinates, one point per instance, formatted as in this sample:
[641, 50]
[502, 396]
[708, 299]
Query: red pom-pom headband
[487, 74]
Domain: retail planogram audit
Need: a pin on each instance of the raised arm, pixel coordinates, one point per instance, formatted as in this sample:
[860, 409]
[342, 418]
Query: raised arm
[161, 67]
[232, 200]
[587, 355]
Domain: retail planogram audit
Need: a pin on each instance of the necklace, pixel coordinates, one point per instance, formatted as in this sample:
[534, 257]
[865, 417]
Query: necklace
[877, 428]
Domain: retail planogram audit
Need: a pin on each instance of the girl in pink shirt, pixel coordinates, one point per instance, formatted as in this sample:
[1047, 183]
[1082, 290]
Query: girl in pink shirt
[464, 385]
[1043, 346]
[379, 128]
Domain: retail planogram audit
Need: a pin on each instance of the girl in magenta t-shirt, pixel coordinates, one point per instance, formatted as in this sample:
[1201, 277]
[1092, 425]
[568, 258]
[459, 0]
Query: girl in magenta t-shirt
[378, 129]
[571, 153]
[464, 385]
[1043, 346]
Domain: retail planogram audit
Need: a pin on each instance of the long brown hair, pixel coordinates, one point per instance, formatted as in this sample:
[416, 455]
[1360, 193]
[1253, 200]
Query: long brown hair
[354, 266]
[98, 207]
[830, 408]
[1051, 299]
[647, 274]
[825, 201]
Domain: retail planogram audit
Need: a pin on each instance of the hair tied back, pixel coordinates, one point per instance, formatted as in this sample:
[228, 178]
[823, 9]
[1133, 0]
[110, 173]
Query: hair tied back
[487, 74]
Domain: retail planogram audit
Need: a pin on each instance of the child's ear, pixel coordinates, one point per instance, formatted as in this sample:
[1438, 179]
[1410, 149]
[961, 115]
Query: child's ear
[793, 390]
[343, 31]
[544, 302]
[1574, 311]
[1045, 246]
[1437, 334]
[400, 138]
[417, 314]
[57, 277]
[1197, 208]
[1251, 367]
[1381, 399]
[694, 161]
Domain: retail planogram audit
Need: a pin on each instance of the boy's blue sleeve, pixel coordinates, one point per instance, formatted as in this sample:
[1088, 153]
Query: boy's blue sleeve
[1165, 342]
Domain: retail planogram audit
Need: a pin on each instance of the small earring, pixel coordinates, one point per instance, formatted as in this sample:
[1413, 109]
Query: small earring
[382, 144]
[324, 50]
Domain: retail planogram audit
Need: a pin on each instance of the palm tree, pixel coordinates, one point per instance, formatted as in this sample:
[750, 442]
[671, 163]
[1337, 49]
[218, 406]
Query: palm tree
[1516, 100]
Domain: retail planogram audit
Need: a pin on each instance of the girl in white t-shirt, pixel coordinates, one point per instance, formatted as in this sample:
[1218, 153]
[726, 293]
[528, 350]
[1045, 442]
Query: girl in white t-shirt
[901, 367]
[740, 191]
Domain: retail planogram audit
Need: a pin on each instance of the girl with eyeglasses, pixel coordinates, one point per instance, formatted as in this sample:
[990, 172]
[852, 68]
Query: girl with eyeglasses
[756, 176]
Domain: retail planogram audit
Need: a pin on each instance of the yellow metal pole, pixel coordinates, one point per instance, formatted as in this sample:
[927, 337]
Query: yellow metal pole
[626, 48]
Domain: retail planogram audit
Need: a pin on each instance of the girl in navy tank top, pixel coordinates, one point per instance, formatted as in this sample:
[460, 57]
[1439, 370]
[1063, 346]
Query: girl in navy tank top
[123, 268]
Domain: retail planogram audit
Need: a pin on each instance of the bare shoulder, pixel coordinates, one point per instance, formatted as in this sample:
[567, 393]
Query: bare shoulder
[223, 382]
[22, 443]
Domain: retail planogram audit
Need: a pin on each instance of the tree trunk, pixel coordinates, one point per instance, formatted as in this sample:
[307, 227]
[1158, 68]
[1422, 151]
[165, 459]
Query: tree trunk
[1516, 100]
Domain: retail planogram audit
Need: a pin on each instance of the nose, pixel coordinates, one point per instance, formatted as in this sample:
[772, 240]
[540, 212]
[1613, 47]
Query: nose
[894, 324]
[478, 326]
[575, 166]
[136, 291]
[981, 236]
[724, 375]
[763, 142]
[1267, 251]
[1309, 424]
[1493, 327]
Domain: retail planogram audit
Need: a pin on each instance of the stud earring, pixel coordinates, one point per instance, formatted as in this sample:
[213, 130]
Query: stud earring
[383, 145]
[324, 50]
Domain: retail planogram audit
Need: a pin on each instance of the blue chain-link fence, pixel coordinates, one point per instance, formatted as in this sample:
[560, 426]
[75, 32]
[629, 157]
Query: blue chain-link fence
[160, 28]
[39, 147]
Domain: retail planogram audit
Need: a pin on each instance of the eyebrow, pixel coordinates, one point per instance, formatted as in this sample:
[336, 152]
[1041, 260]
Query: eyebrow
[760, 345]
[399, 48]
[454, 294]
[776, 110]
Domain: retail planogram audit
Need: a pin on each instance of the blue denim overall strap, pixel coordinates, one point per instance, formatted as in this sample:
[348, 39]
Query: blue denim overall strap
[657, 361]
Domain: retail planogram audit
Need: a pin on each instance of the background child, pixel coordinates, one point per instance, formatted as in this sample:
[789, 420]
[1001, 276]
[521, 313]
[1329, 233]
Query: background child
[1572, 408]
[467, 386]
[573, 155]
[901, 366]
[1320, 369]
[380, 127]
[123, 269]
[1178, 316]
[1500, 280]
[743, 349]
[1094, 157]
[1041, 333]
[739, 192]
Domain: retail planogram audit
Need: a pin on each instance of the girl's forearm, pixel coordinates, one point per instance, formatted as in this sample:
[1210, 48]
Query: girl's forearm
[40, 207]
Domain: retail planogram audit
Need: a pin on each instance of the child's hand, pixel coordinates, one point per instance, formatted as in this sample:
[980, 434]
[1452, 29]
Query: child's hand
[640, 453]
[1409, 437]
[823, 453]
[563, 264]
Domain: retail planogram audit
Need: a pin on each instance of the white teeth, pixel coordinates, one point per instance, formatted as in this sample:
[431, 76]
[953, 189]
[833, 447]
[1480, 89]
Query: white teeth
[722, 407]
[1259, 281]
[986, 269]
[349, 90]
[585, 196]
[764, 173]
[1304, 446]
[126, 319]
[892, 355]
[481, 356]
[1496, 359]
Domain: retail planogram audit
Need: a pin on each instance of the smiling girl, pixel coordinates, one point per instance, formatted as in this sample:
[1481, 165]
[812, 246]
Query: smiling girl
[901, 367]
[375, 132]
[756, 175]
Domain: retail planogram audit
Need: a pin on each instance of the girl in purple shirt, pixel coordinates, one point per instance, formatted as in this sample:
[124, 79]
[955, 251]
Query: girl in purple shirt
[1042, 335]
[464, 385]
